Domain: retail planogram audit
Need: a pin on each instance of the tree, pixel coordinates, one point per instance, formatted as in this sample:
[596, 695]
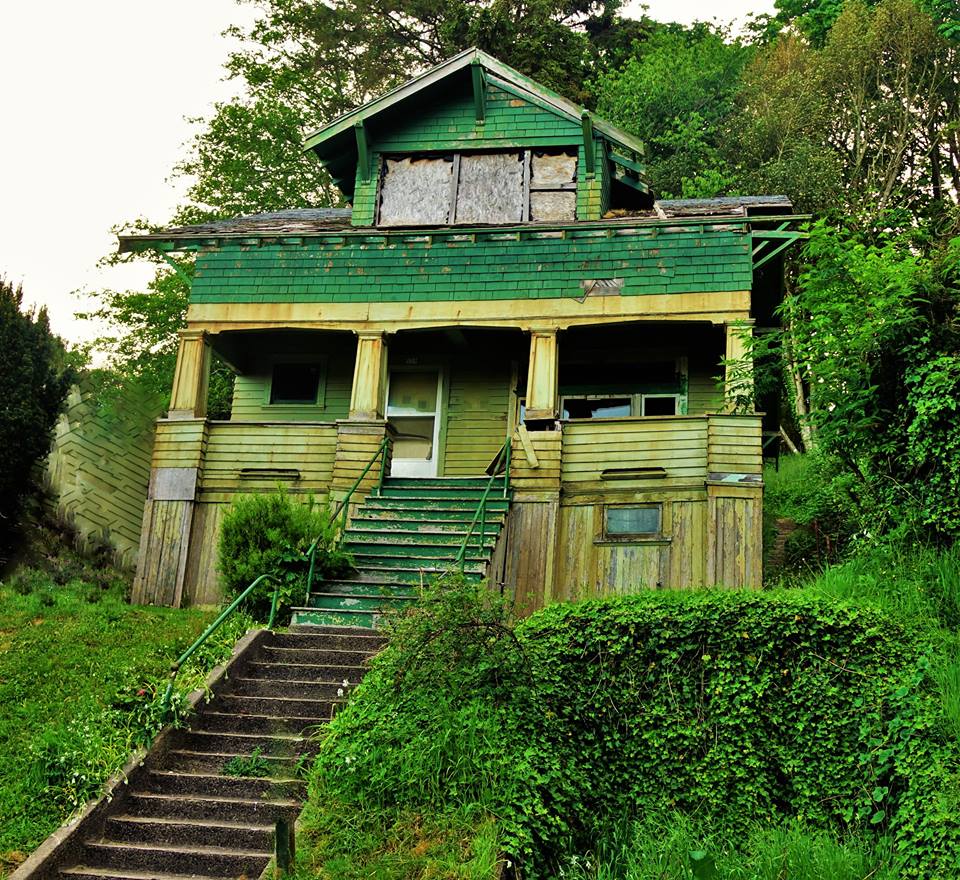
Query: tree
[303, 63]
[35, 375]
[675, 93]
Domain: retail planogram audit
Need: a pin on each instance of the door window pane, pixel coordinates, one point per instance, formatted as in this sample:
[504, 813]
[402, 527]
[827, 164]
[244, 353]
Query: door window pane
[412, 392]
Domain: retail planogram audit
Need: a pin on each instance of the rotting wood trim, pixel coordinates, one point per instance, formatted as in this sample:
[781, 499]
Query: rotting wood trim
[528, 449]
[586, 123]
[363, 150]
[479, 91]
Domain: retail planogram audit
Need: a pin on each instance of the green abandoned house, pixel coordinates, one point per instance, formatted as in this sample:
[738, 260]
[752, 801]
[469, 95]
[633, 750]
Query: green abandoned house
[507, 357]
[504, 279]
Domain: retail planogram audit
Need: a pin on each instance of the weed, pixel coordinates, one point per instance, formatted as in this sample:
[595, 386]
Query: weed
[253, 766]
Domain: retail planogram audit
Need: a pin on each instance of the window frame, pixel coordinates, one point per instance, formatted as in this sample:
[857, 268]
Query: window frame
[320, 361]
[526, 154]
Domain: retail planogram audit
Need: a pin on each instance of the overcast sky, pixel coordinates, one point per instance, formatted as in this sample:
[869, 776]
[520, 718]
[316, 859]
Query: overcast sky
[93, 104]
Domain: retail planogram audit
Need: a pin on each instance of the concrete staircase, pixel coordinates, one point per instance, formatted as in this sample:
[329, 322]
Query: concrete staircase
[408, 533]
[182, 817]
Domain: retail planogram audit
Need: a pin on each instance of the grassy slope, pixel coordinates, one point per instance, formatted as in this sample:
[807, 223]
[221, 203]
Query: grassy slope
[67, 654]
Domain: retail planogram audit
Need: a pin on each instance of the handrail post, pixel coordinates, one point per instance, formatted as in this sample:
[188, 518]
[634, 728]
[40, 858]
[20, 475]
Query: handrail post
[506, 473]
[383, 465]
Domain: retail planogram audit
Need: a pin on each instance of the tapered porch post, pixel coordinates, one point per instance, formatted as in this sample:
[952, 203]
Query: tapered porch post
[368, 397]
[188, 399]
[738, 366]
[542, 392]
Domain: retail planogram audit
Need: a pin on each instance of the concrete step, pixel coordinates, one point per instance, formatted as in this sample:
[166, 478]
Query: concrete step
[212, 861]
[281, 671]
[282, 745]
[215, 763]
[274, 706]
[267, 687]
[350, 641]
[156, 830]
[315, 656]
[336, 630]
[212, 785]
[228, 722]
[80, 872]
[210, 808]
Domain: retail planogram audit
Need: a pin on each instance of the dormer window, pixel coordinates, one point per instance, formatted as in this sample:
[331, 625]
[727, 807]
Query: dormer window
[478, 188]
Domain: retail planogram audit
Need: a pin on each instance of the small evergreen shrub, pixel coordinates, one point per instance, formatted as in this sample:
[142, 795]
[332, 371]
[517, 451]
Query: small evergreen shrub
[733, 708]
[271, 534]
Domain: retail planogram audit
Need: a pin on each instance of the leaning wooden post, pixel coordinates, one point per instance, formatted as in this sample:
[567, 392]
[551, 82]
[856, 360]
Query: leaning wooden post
[542, 389]
[368, 395]
[285, 846]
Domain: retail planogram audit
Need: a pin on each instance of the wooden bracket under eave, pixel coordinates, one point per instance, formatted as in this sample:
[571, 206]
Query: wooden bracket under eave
[479, 92]
[363, 150]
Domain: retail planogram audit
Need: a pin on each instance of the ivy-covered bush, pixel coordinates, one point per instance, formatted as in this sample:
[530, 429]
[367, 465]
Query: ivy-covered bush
[271, 534]
[734, 708]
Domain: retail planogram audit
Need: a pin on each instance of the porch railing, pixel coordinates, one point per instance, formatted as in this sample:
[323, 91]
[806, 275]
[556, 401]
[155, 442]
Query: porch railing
[503, 457]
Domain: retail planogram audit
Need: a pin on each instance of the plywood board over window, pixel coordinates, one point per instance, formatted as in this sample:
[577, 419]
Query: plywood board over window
[553, 184]
[490, 188]
[416, 191]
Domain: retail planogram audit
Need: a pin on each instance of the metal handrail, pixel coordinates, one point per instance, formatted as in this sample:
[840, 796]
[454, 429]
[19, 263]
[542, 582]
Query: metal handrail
[481, 514]
[343, 508]
[210, 630]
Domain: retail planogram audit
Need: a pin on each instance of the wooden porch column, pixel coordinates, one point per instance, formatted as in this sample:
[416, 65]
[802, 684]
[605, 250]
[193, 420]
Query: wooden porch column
[738, 369]
[542, 376]
[368, 396]
[188, 399]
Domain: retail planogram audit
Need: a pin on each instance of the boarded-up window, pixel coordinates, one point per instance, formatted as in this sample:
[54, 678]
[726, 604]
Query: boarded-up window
[474, 188]
[553, 186]
[416, 192]
[490, 188]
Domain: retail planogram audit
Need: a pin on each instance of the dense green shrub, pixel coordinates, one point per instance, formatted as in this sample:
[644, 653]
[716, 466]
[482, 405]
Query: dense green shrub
[271, 534]
[736, 708]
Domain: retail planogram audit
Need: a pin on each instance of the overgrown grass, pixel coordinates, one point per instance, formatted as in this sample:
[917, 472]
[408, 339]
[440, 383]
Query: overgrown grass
[80, 676]
[672, 847]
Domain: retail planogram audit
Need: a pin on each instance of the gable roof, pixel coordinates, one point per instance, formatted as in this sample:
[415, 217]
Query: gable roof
[335, 145]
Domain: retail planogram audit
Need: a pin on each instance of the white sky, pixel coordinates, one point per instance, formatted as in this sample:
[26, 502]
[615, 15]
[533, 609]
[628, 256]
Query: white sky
[93, 100]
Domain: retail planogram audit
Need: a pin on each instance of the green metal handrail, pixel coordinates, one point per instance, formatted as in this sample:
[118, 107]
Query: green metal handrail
[481, 514]
[343, 508]
[210, 630]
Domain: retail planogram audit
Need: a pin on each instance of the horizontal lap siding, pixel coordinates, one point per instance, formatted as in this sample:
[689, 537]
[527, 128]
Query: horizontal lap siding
[487, 266]
[251, 395]
[476, 417]
[309, 449]
[735, 445]
[677, 445]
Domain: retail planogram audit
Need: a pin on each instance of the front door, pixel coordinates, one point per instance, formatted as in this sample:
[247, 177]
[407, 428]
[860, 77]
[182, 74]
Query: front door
[413, 408]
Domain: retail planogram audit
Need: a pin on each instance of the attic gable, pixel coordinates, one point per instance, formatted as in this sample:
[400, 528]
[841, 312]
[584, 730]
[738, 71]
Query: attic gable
[469, 101]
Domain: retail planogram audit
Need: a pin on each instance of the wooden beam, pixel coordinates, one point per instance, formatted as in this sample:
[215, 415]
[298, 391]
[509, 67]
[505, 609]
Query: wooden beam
[586, 123]
[632, 182]
[629, 164]
[479, 91]
[363, 150]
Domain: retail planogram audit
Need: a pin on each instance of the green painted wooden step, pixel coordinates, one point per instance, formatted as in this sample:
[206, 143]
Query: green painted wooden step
[439, 492]
[412, 574]
[426, 517]
[365, 546]
[430, 503]
[443, 482]
[368, 588]
[414, 526]
[321, 617]
[340, 601]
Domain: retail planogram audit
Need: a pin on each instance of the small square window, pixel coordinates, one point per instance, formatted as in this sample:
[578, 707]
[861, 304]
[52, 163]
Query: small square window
[629, 522]
[659, 404]
[295, 383]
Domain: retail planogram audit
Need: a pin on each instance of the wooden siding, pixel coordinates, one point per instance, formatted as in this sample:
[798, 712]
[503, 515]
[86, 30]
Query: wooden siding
[394, 267]
[99, 468]
[735, 445]
[510, 121]
[202, 582]
[162, 560]
[678, 444]
[734, 536]
[479, 400]
[251, 393]
[236, 451]
[535, 462]
[179, 443]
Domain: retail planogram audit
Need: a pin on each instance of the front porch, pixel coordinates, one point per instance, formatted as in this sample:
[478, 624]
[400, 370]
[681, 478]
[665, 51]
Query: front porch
[608, 413]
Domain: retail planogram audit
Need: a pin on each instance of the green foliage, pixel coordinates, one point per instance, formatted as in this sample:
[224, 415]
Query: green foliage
[253, 766]
[271, 534]
[35, 376]
[80, 676]
[739, 709]
[675, 93]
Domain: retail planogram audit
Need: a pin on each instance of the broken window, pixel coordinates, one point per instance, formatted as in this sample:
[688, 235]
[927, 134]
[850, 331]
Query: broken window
[295, 383]
[492, 187]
